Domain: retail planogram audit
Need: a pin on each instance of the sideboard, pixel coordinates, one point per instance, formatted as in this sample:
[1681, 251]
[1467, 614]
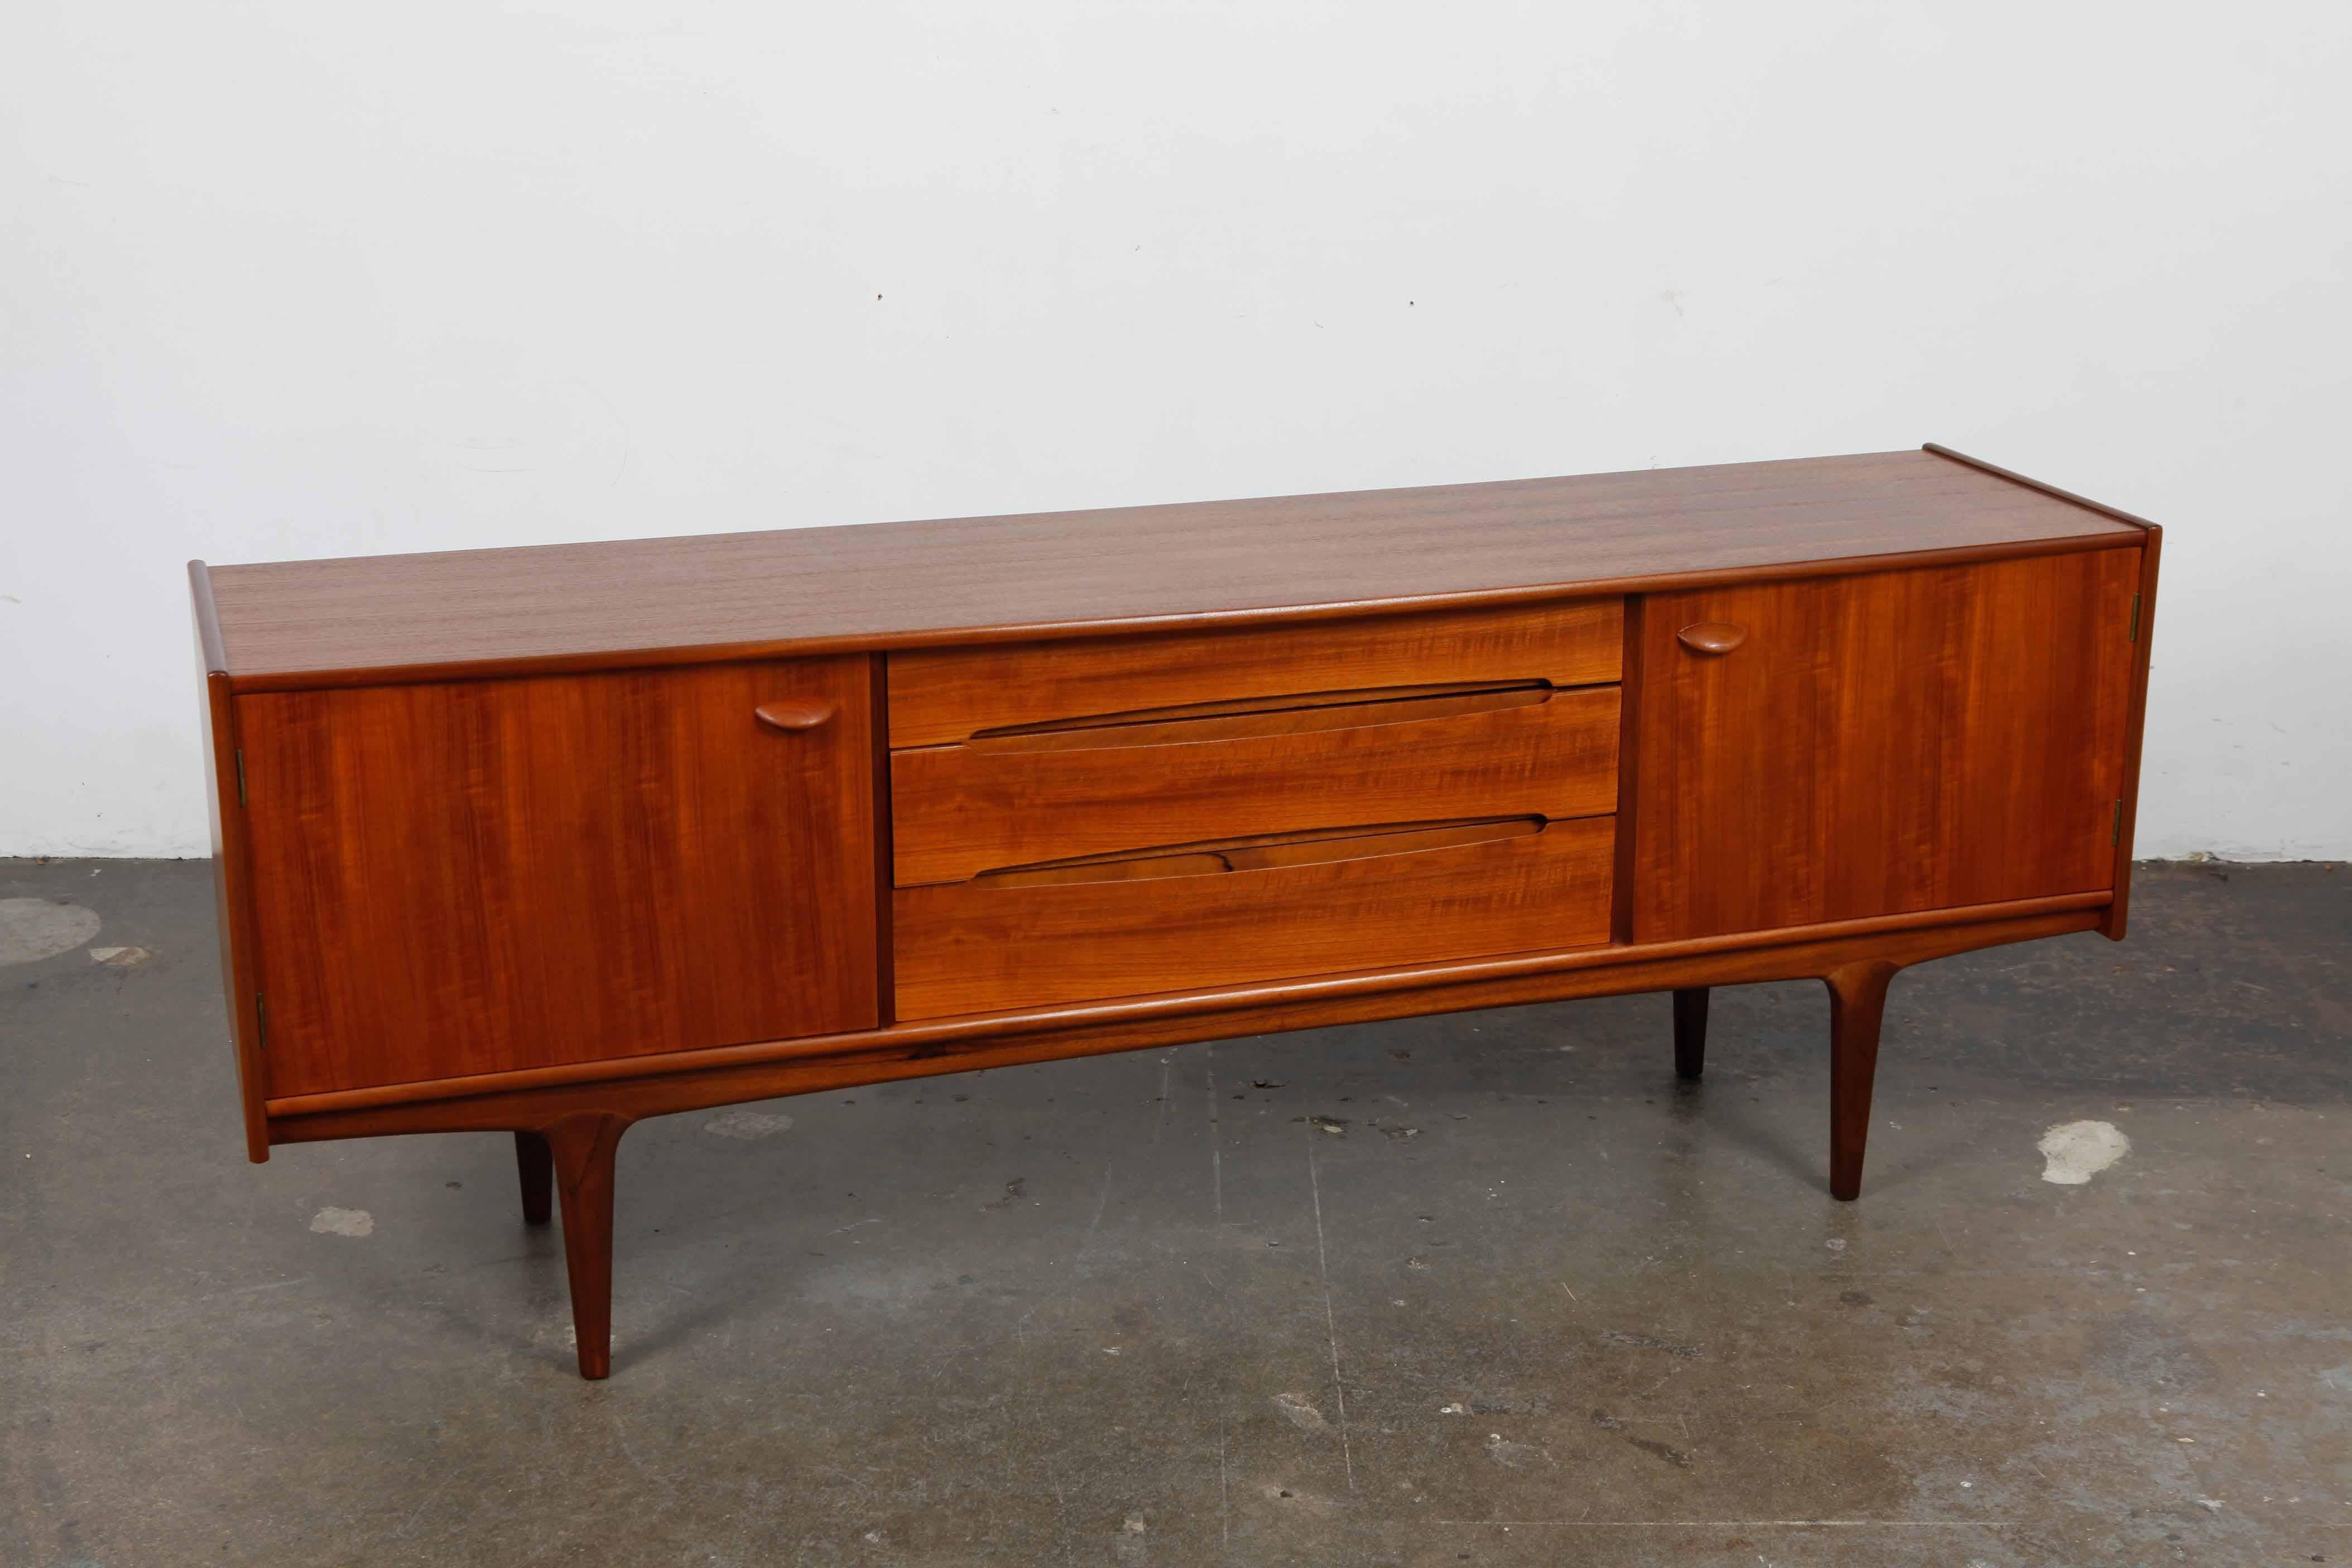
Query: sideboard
[546, 840]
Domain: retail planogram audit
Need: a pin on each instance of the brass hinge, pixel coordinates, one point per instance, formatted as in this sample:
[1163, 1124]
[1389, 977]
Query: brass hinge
[2115, 834]
[240, 772]
[2135, 631]
[260, 1023]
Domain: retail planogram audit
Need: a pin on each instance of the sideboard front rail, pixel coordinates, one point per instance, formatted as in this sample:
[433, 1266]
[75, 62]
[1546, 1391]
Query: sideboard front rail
[690, 1080]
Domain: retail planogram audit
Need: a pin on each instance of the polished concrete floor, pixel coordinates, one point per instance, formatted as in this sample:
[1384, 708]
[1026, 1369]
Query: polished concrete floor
[1490, 1288]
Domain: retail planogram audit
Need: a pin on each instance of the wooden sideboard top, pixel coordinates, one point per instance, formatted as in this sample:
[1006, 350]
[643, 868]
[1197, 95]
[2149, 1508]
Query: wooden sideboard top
[877, 585]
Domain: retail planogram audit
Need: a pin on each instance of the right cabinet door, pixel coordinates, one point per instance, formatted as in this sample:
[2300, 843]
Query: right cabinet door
[1874, 744]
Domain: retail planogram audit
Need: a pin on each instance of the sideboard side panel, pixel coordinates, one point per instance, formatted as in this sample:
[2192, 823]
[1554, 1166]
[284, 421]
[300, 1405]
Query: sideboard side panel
[483, 876]
[1882, 743]
[2135, 734]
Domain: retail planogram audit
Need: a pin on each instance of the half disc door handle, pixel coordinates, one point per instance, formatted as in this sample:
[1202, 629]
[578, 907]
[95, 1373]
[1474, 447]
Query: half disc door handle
[803, 713]
[1712, 636]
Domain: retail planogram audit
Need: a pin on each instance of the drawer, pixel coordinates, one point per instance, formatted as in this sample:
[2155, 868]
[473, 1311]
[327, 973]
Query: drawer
[1272, 908]
[1016, 799]
[950, 694]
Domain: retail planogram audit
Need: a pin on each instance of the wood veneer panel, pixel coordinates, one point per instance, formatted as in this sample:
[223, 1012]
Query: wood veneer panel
[485, 875]
[977, 947]
[1882, 743]
[957, 811]
[875, 587]
[945, 695]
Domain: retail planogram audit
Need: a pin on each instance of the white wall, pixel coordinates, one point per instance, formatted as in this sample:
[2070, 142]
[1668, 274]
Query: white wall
[291, 278]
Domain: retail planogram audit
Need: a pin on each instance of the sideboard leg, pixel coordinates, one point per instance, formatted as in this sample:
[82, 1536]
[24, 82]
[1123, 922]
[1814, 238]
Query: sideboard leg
[1857, 1002]
[582, 1146]
[535, 1162]
[1690, 1032]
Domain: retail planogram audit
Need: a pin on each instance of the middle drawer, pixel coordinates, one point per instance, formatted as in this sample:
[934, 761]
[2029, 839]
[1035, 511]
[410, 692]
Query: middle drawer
[1404, 754]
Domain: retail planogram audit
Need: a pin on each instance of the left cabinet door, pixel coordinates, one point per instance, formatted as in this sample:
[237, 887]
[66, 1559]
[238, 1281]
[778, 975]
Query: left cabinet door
[472, 876]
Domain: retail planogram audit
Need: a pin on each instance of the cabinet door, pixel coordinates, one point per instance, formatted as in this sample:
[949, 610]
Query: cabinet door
[1875, 744]
[472, 876]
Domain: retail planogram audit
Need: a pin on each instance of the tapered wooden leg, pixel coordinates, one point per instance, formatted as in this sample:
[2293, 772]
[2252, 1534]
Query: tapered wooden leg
[1690, 1032]
[582, 1146]
[536, 1165]
[1857, 1004]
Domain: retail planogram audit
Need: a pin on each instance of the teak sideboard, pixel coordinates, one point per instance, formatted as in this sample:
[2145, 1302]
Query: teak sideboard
[546, 840]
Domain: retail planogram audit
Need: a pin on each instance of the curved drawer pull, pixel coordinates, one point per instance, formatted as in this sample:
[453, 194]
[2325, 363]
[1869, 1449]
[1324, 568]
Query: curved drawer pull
[1262, 720]
[1269, 852]
[803, 713]
[1712, 636]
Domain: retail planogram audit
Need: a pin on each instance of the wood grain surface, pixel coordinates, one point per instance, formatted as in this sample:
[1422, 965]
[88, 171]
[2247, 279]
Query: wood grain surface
[1068, 574]
[1895, 742]
[942, 695]
[1857, 1009]
[957, 811]
[461, 877]
[975, 947]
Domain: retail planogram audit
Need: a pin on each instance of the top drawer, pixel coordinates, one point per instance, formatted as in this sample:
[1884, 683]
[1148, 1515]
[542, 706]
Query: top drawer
[943, 696]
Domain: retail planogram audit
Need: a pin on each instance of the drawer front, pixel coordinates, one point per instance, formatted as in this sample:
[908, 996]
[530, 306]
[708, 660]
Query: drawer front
[947, 695]
[1208, 916]
[958, 811]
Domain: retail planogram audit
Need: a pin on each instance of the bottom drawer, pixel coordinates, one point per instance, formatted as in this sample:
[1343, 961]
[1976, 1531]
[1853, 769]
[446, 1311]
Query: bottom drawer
[1193, 916]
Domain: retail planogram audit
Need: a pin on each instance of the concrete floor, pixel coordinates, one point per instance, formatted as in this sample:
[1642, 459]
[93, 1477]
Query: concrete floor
[1481, 1290]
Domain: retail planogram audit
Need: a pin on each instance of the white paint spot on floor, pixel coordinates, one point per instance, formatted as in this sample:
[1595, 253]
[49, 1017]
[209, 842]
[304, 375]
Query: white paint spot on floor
[1302, 1412]
[2338, 1378]
[121, 957]
[35, 929]
[343, 1221]
[747, 1125]
[2077, 1150]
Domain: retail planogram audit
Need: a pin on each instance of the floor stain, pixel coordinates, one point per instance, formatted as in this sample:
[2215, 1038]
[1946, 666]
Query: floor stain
[1674, 1457]
[1301, 1412]
[748, 1124]
[35, 929]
